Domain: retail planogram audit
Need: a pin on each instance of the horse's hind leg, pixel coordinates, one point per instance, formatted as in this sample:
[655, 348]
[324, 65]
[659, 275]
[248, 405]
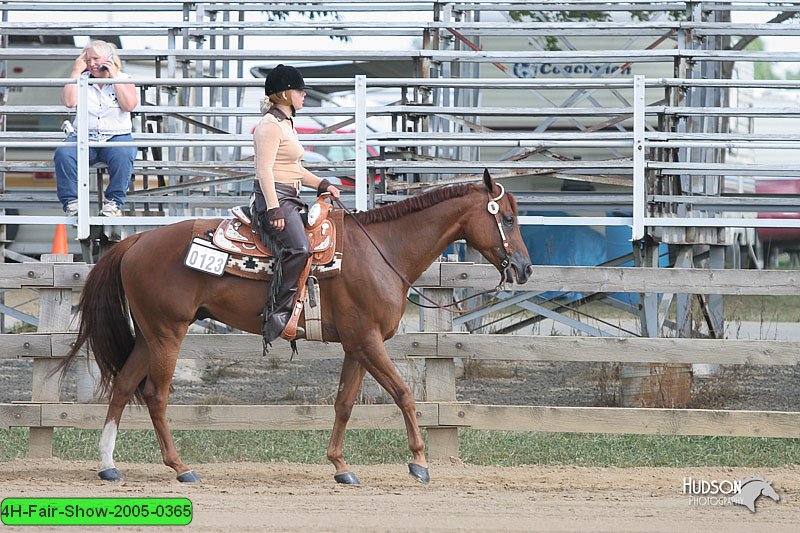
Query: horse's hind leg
[156, 394]
[125, 385]
[349, 384]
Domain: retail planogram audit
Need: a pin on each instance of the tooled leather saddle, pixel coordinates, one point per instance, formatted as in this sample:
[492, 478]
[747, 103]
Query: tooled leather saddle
[249, 258]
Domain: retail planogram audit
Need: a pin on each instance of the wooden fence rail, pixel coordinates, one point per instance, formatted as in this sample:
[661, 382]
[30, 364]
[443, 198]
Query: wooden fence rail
[478, 276]
[450, 345]
[438, 411]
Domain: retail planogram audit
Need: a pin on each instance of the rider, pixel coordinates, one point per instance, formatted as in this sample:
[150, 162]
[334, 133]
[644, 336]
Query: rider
[276, 204]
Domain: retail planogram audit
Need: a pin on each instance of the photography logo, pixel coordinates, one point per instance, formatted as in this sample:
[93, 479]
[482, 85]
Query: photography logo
[745, 491]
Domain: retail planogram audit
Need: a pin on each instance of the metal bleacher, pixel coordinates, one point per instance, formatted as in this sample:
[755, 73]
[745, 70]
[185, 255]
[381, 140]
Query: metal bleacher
[613, 114]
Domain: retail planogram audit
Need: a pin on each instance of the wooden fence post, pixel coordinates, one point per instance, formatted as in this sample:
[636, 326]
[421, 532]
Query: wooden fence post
[653, 384]
[55, 311]
[440, 377]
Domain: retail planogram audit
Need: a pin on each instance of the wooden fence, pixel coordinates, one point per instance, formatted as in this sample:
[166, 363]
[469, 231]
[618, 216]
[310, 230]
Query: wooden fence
[437, 410]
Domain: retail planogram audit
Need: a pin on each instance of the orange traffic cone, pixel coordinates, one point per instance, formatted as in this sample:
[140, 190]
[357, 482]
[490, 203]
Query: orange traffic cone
[60, 240]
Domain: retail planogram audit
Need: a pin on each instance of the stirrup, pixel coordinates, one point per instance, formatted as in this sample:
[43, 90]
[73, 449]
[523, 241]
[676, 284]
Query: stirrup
[299, 333]
[290, 330]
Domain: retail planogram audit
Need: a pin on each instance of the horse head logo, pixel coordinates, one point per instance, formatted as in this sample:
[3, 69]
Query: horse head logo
[753, 488]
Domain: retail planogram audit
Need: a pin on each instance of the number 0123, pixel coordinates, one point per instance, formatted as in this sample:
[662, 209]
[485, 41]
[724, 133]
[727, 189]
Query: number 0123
[205, 259]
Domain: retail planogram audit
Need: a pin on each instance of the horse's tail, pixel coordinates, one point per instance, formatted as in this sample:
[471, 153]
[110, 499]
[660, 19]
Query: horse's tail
[104, 325]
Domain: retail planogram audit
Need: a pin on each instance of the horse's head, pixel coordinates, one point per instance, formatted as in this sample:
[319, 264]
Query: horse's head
[494, 231]
[768, 491]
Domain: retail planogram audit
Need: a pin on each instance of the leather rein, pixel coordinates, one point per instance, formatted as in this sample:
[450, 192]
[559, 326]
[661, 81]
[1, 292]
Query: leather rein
[494, 209]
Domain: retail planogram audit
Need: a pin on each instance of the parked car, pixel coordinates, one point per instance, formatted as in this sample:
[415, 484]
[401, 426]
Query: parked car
[777, 240]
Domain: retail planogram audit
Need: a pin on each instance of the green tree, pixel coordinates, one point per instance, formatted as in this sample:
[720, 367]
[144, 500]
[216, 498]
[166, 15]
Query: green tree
[551, 42]
[277, 16]
[762, 70]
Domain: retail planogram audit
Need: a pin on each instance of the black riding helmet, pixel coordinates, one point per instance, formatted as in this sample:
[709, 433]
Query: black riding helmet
[283, 77]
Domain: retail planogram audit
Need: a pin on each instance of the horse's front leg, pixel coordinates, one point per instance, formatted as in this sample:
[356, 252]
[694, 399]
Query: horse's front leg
[374, 358]
[349, 384]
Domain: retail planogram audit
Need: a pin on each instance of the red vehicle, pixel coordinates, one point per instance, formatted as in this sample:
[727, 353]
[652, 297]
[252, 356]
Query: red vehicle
[775, 240]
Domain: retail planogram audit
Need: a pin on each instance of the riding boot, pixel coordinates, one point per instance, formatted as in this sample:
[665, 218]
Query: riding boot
[279, 309]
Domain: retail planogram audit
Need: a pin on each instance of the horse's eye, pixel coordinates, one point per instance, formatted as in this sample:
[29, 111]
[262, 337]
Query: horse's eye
[508, 220]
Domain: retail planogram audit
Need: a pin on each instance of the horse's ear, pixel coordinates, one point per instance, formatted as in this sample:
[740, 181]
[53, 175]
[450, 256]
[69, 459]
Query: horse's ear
[487, 180]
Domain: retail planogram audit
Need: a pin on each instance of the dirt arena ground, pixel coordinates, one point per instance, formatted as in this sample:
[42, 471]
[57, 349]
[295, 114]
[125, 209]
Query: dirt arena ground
[241, 497]
[292, 497]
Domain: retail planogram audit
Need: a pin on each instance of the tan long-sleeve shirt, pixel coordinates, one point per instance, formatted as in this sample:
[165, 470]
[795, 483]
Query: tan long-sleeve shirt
[278, 158]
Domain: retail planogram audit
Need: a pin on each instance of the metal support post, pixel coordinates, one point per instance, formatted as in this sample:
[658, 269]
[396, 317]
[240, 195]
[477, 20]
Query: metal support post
[639, 189]
[361, 143]
[83, 157]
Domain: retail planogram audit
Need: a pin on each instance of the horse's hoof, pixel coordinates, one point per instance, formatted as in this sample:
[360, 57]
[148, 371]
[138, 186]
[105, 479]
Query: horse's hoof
[420, 473]
[110, 474]
[189, 477]
[347, 478]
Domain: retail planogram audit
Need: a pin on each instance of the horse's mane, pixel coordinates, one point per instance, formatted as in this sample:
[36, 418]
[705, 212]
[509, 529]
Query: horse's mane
[414, 204]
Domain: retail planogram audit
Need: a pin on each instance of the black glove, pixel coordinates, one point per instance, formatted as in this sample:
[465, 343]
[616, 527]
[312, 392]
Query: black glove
[276, 213]
[322, 188]
[270, 215]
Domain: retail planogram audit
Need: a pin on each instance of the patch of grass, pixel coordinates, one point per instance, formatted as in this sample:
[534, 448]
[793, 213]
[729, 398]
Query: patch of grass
[606, 376]
[218, 370]
[216, 398]
[13, 444]
[603, 450]
[22, 328]
[762, 308]
[483, 369]
[503, 448]
[718, 390]
[201, 446]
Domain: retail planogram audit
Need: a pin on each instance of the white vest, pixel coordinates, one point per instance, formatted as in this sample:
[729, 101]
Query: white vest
[106, 119]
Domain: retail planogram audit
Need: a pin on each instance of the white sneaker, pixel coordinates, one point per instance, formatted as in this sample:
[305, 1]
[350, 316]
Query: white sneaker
[111, 209]
[72, 208]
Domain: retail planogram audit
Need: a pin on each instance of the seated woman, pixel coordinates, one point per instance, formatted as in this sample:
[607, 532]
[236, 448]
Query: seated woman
[110, 106]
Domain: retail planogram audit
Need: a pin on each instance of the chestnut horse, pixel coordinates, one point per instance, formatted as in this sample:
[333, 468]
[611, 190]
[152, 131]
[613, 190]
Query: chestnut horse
[143, 278]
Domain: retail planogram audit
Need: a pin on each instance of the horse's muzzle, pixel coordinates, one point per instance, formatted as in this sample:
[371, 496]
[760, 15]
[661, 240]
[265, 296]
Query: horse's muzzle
[519, 270]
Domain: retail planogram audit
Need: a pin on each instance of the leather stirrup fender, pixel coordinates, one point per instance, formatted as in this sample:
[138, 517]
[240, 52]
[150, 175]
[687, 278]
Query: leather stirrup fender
[290, 331]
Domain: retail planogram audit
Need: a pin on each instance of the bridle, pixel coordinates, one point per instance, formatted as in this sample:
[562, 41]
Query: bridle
[494, 209]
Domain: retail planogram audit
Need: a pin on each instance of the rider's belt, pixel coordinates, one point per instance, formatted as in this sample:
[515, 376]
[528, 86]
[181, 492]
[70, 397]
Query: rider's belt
[295, 184]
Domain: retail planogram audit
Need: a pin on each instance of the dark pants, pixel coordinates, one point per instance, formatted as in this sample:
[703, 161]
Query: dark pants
[291, 251]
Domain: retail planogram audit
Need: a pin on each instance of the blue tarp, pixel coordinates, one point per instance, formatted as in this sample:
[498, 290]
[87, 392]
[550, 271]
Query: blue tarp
[564, 245]
[580, 246]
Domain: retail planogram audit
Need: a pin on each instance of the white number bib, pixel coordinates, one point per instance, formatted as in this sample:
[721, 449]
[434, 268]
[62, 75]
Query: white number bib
[201, 256]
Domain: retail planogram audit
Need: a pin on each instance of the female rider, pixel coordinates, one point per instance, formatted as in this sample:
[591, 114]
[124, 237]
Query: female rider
[276, 204]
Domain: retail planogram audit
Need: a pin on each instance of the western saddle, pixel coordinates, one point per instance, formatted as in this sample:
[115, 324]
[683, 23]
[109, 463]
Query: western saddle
[250, 258]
